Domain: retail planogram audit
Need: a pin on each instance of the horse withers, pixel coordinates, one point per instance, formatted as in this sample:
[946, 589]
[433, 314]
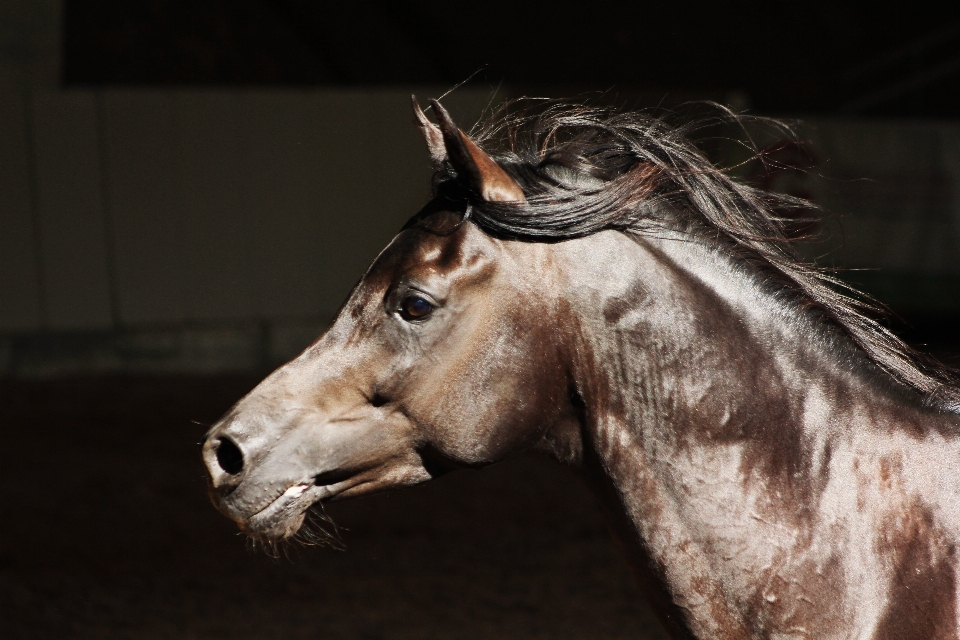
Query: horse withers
[775, 463]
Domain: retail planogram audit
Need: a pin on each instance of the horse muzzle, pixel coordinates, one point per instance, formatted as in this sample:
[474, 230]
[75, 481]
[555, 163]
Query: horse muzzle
[265, 479]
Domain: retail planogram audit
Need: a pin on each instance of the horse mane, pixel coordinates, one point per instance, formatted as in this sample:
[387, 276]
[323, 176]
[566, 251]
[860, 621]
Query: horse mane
[585, 169]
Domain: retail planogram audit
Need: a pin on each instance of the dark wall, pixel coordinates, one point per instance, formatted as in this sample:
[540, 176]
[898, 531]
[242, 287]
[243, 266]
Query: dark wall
[811, 57]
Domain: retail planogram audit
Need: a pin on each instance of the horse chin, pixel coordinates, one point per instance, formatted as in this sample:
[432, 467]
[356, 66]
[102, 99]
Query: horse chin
[276, 530]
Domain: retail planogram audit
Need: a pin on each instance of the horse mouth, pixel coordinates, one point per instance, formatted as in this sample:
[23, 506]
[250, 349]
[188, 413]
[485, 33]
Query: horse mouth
[282, 518]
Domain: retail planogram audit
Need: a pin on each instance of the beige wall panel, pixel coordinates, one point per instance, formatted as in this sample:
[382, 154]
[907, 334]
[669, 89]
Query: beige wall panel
[20, 308]
[144, 200]
[330, 176]
[374, 175]
[216, 251]
[395, 169]
[70, 209]
[282, 189]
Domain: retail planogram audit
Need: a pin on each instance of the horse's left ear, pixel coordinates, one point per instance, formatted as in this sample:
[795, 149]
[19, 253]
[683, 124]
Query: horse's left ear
[472, 164]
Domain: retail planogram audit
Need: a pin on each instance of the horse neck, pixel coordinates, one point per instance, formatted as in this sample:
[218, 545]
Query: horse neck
[683, 344]
[709, 406]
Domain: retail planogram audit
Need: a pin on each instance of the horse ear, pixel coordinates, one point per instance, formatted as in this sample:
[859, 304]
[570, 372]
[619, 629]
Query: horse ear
[431, 134]
[471, 163]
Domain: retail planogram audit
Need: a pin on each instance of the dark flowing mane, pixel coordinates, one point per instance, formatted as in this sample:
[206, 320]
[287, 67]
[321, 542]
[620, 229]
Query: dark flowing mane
[587, 169]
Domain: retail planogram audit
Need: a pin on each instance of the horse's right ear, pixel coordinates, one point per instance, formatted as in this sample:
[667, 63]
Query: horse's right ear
[473, 166]
[431, 134]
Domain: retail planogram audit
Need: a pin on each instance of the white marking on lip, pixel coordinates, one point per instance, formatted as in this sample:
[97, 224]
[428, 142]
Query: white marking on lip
[284, 502]
[295, 491]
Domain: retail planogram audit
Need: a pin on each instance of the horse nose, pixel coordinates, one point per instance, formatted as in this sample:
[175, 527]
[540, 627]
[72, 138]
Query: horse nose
[224, 460]
[229, 456]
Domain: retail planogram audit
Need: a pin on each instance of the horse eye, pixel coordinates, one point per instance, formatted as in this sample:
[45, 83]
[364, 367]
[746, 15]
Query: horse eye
[415, 308]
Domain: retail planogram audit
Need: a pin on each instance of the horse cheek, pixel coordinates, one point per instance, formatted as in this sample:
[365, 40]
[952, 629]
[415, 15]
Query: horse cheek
[475, 409]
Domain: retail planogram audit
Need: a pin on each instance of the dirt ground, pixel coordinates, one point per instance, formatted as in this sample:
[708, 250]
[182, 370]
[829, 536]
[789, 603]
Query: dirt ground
[107, 533]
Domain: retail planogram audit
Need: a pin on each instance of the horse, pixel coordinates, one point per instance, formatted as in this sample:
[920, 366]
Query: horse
[585, 284]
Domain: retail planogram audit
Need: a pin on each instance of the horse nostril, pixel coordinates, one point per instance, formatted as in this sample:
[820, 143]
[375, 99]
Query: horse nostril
[229, 456]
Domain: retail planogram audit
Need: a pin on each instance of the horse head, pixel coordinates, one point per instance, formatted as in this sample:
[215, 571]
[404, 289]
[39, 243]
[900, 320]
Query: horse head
[439, 359]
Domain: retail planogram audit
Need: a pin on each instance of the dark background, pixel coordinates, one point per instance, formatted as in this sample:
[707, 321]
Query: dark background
[107, 532]
[798, 57]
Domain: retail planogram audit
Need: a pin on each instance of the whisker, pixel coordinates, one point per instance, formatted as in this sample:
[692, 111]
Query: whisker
[319, 530]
